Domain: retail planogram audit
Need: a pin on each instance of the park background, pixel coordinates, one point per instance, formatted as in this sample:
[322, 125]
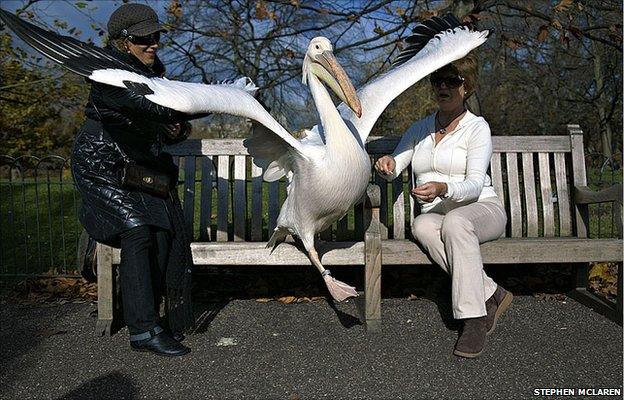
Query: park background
[547, 64]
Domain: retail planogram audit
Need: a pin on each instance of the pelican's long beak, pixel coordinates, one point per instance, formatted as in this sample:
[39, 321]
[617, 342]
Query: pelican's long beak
[327, 68]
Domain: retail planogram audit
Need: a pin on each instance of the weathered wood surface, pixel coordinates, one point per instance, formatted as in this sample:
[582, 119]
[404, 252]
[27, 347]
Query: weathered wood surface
[581, 212]
[105, 277]
[398, 208]
[513, 183]
[530, 198]
[563, 196]
[516, 251]
[405, 252]
[256, 253]
[548, 214]
[223, 197]
[374, 145]
[372, 257]
[585, 195]
[496, 168]
[239, 210]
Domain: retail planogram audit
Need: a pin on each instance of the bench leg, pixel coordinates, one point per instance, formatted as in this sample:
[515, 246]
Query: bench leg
[105, 275]
[584, 296]
[620, 295]
[372, 282]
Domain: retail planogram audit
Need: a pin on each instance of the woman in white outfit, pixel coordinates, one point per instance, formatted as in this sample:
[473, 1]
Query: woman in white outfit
[450, 151]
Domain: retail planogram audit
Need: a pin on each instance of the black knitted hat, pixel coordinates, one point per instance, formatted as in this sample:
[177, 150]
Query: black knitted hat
[133, 19]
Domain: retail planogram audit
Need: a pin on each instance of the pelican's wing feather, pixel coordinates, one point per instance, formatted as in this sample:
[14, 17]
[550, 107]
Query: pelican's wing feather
[79, 57]
[233, 98]
[435, 43]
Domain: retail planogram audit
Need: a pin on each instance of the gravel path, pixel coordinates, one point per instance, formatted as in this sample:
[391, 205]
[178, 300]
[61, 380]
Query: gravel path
[310, 351]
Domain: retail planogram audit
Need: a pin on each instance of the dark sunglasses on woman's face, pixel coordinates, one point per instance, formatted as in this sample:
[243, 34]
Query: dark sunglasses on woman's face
[452, 81]
[148, 40]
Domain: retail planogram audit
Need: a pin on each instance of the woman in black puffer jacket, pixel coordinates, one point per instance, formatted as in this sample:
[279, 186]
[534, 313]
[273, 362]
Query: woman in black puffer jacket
[120, 127]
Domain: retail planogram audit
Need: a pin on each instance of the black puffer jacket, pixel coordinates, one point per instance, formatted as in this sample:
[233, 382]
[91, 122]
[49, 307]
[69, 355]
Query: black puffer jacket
[120, 121]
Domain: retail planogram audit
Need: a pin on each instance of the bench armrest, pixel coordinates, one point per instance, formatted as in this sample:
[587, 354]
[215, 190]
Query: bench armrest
[584, 195]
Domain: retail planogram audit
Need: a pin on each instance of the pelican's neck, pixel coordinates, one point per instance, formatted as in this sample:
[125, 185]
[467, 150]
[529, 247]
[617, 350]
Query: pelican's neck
[338, 138]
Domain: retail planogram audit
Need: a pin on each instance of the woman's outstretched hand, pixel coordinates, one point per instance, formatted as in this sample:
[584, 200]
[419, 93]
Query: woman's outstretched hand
[385, 165]
[429, 191]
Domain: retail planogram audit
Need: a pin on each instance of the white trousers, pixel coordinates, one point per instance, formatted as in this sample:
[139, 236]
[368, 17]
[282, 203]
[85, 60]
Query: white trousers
[452, 238]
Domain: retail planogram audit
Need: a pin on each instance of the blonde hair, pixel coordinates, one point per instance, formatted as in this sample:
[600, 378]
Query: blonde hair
[119, 44]
[467, 68]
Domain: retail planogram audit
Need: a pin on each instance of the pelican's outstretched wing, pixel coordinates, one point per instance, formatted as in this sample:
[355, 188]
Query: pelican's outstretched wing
[101, 65]
[79, 57]
[435, 43]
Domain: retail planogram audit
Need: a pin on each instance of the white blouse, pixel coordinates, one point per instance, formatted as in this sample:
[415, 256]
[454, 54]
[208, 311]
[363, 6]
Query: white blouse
[460, 159]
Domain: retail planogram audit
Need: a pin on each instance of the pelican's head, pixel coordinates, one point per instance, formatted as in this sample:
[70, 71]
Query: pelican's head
[320, 61]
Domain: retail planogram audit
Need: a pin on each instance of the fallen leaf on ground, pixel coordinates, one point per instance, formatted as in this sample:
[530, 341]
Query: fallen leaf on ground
[50, 332]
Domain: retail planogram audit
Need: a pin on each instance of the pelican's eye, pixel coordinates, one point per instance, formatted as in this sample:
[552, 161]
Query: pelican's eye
[317, 47]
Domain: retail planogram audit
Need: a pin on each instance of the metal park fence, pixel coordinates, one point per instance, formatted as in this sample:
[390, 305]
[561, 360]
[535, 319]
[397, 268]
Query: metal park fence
[39, 228]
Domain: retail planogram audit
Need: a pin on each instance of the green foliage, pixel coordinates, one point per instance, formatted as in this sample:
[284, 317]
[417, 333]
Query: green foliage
[41, 106]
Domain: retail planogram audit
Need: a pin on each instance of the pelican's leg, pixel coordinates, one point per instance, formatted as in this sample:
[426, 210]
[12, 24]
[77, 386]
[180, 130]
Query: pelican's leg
[339, 290]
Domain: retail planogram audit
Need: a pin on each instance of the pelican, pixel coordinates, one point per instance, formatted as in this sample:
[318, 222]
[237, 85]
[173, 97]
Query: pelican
[329, 171]
[324, 179]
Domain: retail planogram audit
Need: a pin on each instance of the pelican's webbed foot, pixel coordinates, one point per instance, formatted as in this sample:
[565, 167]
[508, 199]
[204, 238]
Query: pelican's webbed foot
[339, 290]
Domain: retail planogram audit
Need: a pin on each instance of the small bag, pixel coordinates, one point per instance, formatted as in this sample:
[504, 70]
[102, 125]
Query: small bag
[137, 177]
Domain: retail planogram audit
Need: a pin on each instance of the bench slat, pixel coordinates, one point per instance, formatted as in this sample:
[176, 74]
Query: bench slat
[406, 252]
[398, 208]
[239, 208]
[383, 209]
[520, 144]
[516, 251]
[563, 196]
[189, 194]
[530, 196]
[375, 145]
[547, 204]
[496, 170]
[205, 201]
[515, 207]
[256, 202]
[223, 197]
[256, 253]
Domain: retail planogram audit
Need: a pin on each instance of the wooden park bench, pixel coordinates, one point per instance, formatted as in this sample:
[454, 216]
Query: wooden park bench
[542, 180]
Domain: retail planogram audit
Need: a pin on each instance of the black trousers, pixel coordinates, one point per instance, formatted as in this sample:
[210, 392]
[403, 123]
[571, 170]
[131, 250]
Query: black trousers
[144, 254]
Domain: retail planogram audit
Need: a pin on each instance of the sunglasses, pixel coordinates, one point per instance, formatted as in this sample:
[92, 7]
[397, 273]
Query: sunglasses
[452, 81]
[149, 40]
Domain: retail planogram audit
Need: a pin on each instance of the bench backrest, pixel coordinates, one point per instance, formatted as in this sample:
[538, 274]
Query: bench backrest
[225, 198]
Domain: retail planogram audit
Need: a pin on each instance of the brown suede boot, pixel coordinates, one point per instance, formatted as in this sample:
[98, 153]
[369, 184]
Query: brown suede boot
[471, 340]
[496, 306]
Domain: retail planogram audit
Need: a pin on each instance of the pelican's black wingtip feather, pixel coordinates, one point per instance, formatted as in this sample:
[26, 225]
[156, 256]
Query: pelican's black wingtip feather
[423, 32]
[79, 57]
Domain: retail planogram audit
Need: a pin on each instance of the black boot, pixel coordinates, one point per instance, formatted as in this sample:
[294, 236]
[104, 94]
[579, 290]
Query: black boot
[161, 344]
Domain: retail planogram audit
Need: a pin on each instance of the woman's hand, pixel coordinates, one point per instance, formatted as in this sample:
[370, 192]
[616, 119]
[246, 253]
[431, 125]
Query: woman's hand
[429, 191]
[173, 130]
[385, 165]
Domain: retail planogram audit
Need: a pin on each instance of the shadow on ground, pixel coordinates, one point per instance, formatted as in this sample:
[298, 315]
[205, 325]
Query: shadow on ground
[114, 385]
